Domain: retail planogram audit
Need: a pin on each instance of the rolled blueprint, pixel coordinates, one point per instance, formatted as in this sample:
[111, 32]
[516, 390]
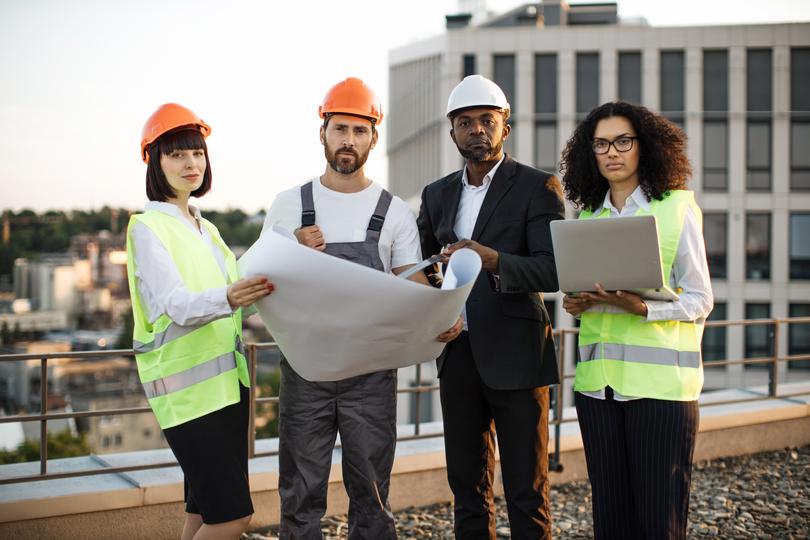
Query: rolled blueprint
[334, 319]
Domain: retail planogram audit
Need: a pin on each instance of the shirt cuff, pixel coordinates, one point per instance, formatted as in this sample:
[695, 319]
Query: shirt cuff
[657, 310]
[219, 302]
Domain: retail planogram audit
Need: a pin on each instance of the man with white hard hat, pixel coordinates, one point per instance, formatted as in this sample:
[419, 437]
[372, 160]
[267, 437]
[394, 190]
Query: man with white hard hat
[494, 377]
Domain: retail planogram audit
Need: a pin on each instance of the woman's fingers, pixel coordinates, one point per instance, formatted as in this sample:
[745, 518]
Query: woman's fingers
[246, 291]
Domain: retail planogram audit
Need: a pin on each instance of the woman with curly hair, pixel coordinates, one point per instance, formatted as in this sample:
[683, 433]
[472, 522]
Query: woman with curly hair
[639, 372]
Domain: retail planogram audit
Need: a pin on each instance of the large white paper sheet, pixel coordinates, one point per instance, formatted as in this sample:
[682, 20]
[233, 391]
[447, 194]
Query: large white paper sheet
[335, 319]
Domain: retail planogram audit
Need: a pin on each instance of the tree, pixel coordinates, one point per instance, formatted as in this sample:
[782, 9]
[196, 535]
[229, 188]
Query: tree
[60, 445]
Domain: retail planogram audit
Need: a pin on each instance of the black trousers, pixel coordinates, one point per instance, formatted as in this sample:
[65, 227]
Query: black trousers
[473, 415]
[639, 457]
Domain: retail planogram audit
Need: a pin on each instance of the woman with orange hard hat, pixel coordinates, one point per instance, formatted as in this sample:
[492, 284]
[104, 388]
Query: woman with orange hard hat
[186, 303]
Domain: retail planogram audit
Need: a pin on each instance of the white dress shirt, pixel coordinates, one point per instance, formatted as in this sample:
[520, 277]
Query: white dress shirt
[160, 286]
[469, 205]
[690, 273]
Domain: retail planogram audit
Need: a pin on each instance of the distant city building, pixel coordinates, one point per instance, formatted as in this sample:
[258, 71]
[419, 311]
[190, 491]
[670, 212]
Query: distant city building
[88, 283]
[741, 92]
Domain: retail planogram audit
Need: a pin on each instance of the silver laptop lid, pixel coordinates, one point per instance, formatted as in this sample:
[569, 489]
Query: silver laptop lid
[619, 253]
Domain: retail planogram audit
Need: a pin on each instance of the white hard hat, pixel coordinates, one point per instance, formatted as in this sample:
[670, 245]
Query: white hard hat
[476, 91]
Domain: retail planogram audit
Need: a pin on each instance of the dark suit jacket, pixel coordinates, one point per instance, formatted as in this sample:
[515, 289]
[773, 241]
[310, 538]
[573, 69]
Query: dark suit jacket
[509, 327]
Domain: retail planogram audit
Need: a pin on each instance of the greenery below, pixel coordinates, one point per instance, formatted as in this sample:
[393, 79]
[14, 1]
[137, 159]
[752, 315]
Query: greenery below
[32, 234]
[60, 445]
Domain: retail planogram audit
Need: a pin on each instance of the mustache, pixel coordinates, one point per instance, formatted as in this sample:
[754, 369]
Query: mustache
[480, 140]
[349, 151]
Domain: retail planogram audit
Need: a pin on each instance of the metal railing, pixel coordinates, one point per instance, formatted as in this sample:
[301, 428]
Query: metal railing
[557, 402]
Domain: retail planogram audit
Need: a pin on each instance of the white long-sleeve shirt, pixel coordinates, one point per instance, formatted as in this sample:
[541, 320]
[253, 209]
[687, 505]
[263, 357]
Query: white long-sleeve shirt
[690, 272]
[469, 206]
[159, 283]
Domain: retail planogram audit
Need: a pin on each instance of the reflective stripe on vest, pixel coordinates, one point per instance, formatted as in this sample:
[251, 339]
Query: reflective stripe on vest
[184, 379]
[639, 354]
[187, 371]
[172, 332]
[636, 357]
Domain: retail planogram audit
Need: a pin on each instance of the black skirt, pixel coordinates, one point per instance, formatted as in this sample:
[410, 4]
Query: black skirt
[213, 452]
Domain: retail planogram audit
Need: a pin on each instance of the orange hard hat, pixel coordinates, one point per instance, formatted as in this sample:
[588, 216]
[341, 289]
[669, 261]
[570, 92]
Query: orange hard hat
[352, 96]
[168, 117]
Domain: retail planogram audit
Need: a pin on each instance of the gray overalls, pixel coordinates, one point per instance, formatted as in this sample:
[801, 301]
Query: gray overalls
[362, 409]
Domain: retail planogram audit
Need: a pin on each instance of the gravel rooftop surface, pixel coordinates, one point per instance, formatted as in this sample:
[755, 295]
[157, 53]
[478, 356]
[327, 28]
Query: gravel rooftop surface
[763, 495]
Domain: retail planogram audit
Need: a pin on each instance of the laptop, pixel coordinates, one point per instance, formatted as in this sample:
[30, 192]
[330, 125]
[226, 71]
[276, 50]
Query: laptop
[619, 253]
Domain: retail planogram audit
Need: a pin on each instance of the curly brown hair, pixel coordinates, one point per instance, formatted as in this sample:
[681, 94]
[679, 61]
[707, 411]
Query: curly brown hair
[663, 164]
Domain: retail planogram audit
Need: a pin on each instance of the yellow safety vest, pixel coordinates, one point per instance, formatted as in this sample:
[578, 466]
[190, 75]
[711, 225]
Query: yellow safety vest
[658, 359]
[187, 371]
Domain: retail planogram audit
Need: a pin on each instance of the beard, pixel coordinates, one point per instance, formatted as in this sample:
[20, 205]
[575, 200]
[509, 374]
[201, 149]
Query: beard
[487, 153]
[340, 162]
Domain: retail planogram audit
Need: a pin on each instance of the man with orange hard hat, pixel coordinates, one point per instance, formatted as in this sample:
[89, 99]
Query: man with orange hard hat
[344, 214]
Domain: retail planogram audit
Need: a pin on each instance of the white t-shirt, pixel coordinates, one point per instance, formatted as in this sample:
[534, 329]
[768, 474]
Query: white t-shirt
[344, 217]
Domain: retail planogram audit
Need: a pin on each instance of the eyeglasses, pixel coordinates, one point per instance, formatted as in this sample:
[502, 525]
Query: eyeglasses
[622, 144]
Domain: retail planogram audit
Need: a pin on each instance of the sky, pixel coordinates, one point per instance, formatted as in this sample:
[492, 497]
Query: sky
[80, 77]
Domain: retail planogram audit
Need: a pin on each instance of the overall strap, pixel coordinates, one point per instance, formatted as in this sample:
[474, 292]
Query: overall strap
[307, 206]
[377, 220]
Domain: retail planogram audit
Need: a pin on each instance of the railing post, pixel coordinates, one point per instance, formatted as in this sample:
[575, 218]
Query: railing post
[43, 409]
[251, 350]
[558, 404]
[417, 425]
[773, 372]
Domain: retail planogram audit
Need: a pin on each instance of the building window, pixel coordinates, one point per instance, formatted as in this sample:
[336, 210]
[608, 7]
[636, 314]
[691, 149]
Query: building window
[757, 246]
[545, 109]
[545, 85]
[504, 67]
[545, 140]
[715, 81]
[630, 77]
[799, 245]
[672, 85]
[468, 65]
[799, 79]
[587, 83]
[715, 234]
[714, 338]
[759, 79]
[758, 337]
[425, 400]
[800, 119]
[758, 155]
[800, 155]
[715, 155]
[799, 336]
[504, 76]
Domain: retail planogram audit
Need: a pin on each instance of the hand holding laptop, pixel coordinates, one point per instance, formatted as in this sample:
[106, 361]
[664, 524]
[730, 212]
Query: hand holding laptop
[624, 300]
[620, 254]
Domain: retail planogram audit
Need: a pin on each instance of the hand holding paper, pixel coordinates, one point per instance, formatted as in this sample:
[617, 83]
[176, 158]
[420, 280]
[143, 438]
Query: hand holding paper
[335, 319]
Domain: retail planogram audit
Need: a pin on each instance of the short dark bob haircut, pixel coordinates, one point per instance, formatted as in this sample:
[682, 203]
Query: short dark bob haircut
[185, 138]
[662, 164]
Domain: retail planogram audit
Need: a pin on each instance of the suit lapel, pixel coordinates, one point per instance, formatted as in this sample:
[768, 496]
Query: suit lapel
[500, 185]
[451, 194]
